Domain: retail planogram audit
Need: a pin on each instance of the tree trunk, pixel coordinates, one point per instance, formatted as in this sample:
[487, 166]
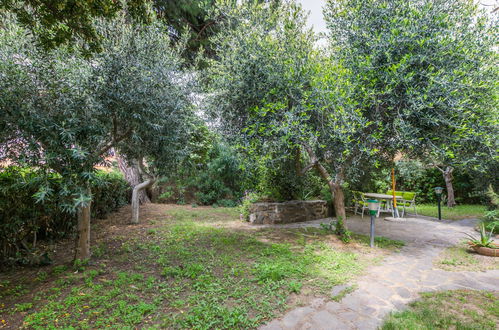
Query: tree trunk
[82, 250]
[451, 202]
[132, 176]
[136, 200]
[339, 209]
[335, 188]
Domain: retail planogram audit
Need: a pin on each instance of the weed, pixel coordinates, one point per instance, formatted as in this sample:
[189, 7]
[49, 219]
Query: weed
[23, 307]
[100, 250]
[41, 276]
[344, 292]
[294, 286]
[79, 265]
[59, 269]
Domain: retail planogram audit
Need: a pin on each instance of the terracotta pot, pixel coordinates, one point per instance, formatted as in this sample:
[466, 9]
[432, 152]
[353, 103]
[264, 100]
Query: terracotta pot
[486, 251]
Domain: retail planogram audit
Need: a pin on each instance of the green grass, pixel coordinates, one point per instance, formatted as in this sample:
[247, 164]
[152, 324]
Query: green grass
[460, 309]
[457, 212]
[191, 271]
[379, 241]
[460, 258]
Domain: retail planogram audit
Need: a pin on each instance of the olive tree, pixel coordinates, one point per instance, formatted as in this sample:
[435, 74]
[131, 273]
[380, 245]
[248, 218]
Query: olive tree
[426, 76]
[272, 91]
[65, 113]
[139, 79]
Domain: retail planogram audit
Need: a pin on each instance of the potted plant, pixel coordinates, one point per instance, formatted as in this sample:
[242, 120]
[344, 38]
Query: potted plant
[485, 244]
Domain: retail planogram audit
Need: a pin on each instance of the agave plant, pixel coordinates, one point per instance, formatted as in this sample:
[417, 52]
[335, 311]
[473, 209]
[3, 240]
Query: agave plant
[485, 239]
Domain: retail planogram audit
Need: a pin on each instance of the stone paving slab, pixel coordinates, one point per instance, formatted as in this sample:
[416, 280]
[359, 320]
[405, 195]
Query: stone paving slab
[396, 282]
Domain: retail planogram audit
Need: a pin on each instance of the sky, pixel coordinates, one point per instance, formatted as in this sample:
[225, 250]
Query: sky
[316, 20]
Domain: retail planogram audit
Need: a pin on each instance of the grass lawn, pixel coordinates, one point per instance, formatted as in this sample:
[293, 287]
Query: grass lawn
[183, 267]
[460, 309]
[460, 258]
[457, 212]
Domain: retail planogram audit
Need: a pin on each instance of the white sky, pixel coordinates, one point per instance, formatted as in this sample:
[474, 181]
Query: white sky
[316, 20]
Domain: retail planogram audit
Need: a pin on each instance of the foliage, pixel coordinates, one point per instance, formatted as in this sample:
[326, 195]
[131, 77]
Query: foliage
[491, 221]
[248, 199]
[485, 239]
[460, 309]
[222, 178]
[23, 214]
[491, 218]
[199, 19]
[425, 71]
[139, 83]
[212, 174]
[414, 176]
[56, 22]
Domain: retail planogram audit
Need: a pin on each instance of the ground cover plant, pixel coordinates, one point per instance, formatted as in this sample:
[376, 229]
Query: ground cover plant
[184, 267]
[458, 212]
[477, 310]
[461, 258]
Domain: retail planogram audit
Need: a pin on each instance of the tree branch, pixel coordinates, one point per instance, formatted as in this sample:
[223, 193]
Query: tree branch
[307, 168]
[441, 170]
[142, 168]
[315, 163]
[103, 149]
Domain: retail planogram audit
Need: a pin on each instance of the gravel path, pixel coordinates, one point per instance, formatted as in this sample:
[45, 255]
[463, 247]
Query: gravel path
[397, 281]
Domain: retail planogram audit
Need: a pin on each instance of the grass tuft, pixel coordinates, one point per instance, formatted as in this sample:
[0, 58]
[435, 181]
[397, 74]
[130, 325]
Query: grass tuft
[459, 309]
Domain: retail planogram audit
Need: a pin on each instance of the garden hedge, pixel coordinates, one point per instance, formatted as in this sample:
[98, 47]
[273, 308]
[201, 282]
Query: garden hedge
[21, 217]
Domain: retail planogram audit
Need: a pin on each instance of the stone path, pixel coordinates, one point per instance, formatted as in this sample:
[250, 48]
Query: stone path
[397, 281]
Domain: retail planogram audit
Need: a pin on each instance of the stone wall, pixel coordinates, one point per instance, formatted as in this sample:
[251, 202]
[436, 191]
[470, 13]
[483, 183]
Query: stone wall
[287, 212]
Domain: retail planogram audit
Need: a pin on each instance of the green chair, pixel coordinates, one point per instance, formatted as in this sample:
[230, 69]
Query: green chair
[397, 193]
[408, 200]
[359, 202]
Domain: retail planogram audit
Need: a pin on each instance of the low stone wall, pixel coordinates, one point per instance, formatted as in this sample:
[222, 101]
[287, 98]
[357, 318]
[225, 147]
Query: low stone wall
[287, 212]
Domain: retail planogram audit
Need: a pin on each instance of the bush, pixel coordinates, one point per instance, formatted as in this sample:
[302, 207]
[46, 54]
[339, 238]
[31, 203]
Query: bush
[22, 217]
[244, 208]
[491, 218]
[221, 179]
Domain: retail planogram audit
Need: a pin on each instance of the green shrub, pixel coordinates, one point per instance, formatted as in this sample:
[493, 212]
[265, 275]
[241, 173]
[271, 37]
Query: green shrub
[245, 205]
[491, 220]
[221, 179]
[22, 216]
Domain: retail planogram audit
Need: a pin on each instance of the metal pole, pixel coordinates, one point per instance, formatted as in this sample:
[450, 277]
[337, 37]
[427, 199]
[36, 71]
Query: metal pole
[372, 230]
[439, 210]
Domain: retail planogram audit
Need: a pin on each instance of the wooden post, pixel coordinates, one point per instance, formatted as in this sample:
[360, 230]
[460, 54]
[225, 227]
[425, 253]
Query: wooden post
[395, 211]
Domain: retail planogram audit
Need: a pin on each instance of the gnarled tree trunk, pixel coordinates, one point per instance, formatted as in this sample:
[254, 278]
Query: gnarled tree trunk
[339, 208]
[335, 188]
[82, 248]
[132, 175]
[447, 173]
[135, 198]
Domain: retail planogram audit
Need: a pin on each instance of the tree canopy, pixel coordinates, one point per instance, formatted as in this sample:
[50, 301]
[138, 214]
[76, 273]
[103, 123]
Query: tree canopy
[426, 69]
[66, 22]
